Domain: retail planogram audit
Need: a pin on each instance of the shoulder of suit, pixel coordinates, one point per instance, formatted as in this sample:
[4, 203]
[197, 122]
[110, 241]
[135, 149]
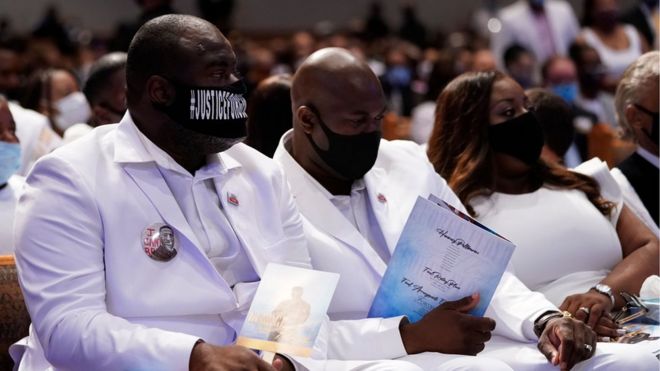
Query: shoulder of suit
[401, 152]
[249, 157]
[84, 150]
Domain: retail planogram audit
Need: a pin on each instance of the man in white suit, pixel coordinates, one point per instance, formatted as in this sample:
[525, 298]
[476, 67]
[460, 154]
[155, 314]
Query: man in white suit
[355, 192]
[93, 211]
[546, 27]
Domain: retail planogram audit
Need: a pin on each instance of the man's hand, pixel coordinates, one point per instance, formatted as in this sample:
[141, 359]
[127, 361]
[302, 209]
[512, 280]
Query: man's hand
[448, 329]
[207, 357]
[566, 341]
[588, 307]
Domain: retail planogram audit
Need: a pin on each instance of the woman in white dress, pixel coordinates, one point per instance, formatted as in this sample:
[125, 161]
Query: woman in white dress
[576, 241]
[618, 44]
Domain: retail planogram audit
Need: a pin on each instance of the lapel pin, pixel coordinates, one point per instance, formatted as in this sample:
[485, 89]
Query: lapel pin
[381, 198]
[232, 199]
[159, 242]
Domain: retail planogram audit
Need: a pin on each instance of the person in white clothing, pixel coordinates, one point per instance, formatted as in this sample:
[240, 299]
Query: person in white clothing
[355, 192]
[545, 27]
[92, 213]
[576, 242]
[35, 134]
[618, 44]
[10, 184]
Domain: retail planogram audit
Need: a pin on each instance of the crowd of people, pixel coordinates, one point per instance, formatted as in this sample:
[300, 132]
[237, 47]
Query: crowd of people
[542, 127]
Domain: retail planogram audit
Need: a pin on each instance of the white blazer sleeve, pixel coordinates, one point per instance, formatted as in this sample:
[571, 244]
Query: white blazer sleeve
[60, 260]
[365, 339]
[514, 308]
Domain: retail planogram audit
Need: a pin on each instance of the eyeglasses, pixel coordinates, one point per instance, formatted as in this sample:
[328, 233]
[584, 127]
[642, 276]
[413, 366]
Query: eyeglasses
[645, 110]
[632, 309]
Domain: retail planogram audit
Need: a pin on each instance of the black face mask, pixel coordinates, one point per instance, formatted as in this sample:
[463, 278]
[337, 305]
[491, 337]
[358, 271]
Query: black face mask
[214, 111]
[351, 156]
[654, 135]
[520, 137]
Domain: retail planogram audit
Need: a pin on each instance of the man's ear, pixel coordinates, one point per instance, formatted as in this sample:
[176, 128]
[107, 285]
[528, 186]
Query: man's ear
[306, 117]
[632, 116]
[159, 90]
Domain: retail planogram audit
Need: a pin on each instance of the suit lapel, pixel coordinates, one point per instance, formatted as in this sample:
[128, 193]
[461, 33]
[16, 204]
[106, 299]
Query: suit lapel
[150, 181]
[321, 213]
[380, 197]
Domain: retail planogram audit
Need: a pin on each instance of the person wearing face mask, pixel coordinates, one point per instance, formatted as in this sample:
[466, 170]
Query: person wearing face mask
[488, 146]
[56, 94]
[637, 109]
[32, 128]
[355, 192]
[10, 184]
[559, 76]
[171, 174]
[617, 44]
[105, 91]
[544, 27]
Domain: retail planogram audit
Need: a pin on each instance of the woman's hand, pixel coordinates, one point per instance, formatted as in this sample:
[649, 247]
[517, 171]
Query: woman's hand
[592, 308]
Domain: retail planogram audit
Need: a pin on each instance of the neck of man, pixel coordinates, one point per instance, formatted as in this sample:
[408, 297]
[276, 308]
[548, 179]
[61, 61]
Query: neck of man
[167, 139]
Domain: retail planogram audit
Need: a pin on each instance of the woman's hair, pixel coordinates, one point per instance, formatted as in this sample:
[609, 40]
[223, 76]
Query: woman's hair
[637, 81]
[460, 151]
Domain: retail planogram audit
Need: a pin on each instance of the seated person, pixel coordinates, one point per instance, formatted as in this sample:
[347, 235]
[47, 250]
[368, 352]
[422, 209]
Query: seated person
[130, 251]
[10, 184]
[355, 192]
[105, 90]
[269, 113]
[637, 104]
[577, 243]
[56, 94]
[556, 119]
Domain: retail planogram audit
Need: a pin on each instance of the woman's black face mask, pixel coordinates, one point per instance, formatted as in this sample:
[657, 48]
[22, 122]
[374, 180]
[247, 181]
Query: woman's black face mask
[351, 156]
[214, 111]
[520, 137]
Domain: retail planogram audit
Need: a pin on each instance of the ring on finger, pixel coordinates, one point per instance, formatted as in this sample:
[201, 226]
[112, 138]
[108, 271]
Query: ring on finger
[588, 348]
[585, 310]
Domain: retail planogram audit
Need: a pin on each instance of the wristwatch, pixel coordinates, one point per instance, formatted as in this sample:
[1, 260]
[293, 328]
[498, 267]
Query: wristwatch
[605, 290]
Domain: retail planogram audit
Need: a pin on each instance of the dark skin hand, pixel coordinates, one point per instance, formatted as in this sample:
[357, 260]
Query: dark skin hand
[562, 342]
[640, 259]
[461, 333]
[207, 357]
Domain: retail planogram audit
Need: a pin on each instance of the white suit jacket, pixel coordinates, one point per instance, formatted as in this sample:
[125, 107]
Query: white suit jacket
[97, 301]
[401, 173]
[518, 27]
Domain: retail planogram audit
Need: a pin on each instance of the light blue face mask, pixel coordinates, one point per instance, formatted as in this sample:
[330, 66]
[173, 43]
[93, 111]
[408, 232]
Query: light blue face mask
[569, 92]
[10, 160]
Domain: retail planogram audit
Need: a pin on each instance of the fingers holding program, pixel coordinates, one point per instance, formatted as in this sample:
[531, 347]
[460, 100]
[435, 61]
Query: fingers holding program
[462, 332]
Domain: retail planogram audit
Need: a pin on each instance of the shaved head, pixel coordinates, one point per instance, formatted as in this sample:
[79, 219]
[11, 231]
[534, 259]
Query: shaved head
[327, 75]
[163, 46]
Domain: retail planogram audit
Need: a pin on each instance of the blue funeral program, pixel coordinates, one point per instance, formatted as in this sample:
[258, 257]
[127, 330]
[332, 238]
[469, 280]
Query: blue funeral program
[442, 255]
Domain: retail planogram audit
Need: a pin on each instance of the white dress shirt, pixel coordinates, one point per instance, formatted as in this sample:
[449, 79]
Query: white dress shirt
[200, 204]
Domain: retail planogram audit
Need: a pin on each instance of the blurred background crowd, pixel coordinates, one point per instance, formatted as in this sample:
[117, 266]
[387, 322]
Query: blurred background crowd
[577, 49]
